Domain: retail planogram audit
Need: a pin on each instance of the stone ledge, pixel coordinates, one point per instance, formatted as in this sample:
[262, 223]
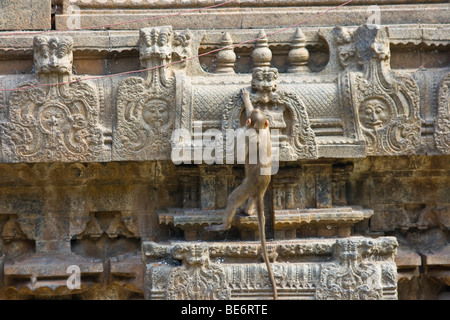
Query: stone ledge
[241, 18]
[46, 274]
[286, 222]
[98, 41]
[34, 14]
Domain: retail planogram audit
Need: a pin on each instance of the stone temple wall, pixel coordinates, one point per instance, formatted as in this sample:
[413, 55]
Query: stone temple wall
[93, 205]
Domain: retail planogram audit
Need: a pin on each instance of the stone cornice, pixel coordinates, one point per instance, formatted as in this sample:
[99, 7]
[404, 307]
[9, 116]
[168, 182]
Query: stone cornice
[98, 41]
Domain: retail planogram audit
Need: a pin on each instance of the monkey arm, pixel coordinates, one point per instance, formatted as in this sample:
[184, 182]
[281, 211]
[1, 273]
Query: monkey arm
[245, 95]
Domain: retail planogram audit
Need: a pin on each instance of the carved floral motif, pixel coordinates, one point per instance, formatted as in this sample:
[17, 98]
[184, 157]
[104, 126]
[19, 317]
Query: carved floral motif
[442, 126]
[146, 105]
[353, 278]
[386, 104]
[53, 122]
[198, 278]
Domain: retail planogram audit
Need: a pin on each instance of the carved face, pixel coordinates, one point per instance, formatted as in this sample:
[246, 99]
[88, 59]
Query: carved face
[53, 55]
[374, 114]
[181, 49]
[264, 79]
[156, 43]
[381, 49]
[196, 255]
[54, 119]
[155, 113]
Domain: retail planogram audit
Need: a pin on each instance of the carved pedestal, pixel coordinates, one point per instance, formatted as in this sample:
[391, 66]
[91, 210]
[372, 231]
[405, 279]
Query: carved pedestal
[322, 269]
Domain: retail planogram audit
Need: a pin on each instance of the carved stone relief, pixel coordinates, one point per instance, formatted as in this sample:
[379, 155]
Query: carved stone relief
[112, 224]
[53, 122]
[11, 230]
[71, 209]
[352, 268]
[146, 105]
[386, 104]
[442, 126]
[285, 111]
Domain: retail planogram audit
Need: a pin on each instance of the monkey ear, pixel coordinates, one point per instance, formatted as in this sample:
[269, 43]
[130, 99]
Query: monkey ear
[266, 124]
[249, 122]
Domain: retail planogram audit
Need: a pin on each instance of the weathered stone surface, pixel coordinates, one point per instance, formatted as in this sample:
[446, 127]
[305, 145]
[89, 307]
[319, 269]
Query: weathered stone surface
[245, 14]
[198, 99]
[212, 270]
[53, 122]
[25, 15]
[86, 170]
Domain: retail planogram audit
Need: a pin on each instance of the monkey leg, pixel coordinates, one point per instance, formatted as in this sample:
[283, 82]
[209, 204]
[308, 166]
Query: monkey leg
[262, 234]
[236, 198]
[250, 207]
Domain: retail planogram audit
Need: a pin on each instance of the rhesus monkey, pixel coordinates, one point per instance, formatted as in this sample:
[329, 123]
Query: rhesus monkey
[256, 181]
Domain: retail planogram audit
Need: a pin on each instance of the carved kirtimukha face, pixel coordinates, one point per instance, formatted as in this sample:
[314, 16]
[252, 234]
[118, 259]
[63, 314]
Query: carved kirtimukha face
[181, 49]
[264, 80]
[374, 114]
[155, 113]
[196, 256]
[381, 48]
[156, 43]
[54, 119]
[53, 55]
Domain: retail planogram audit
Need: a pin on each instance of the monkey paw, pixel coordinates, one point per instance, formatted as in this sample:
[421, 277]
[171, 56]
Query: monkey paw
[217, 227]
[249, 212]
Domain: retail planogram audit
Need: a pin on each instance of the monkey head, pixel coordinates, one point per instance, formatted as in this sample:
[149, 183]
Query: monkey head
[257, 119]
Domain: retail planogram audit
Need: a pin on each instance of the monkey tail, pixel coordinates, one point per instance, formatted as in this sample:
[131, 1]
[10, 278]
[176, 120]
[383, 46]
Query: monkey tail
[262, 234]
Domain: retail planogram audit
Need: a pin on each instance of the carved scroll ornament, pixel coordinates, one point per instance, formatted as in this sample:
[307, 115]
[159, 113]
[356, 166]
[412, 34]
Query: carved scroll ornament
[386, 103]
[442, 126]
[50, 122]
[146, 105]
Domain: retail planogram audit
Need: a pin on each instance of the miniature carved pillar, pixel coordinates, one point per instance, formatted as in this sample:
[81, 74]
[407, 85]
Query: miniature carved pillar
[299, 55]
[278, 193]
[207, 190]
[224, 178]
[318, 185]
[226, 57]
[341, 174]
[262, 54]
[190, 191]
[290, 196]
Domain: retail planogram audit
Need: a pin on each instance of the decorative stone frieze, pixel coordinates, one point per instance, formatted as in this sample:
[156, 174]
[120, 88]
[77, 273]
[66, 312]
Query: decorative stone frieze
[352, 268]
[386, 104]
[442, 126]
[358, 208]
[53, 118]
